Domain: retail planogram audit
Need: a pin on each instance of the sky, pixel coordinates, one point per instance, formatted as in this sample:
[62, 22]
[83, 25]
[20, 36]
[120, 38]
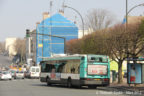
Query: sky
[18, 15]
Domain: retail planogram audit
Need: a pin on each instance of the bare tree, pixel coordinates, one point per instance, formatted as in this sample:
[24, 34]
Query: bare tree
[2, 47]
[126, 43]
[136, 39]
[73, 46]
[20, 47]
[118, 43]
[99, 19]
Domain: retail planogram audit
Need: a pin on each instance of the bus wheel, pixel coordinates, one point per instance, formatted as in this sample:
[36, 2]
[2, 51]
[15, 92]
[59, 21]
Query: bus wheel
[48, 84]
[69, 85]
[79, 86]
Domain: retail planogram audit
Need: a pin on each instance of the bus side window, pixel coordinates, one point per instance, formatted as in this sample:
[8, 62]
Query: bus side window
[53, 69]
[47, 68]
[100, 59]
[73, 70]
[61, 67]
[78, 69]
[42, 67]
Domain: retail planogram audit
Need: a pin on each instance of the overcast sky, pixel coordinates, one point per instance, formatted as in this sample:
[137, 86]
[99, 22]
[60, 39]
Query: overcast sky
[18, 15]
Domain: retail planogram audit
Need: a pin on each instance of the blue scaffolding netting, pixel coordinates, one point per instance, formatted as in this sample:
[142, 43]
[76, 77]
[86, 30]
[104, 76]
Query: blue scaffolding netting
[56, 25]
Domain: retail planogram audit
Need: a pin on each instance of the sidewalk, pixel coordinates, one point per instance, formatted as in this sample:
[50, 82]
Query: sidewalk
[125, 87]
[125, 84]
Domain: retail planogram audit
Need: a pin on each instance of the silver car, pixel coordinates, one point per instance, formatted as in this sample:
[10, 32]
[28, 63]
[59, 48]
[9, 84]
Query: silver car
[19, 74]
[5, 75]
[12, 72]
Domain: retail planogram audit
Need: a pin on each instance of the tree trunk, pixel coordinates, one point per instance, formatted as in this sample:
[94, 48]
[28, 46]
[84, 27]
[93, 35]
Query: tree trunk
[21, 58]
[120, 80]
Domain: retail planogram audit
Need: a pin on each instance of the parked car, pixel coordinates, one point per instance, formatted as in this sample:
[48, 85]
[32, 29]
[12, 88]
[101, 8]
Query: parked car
[5, 75]
[34, 72]
[12, 72]
[0, 72]
[19, 74]
[27, 74]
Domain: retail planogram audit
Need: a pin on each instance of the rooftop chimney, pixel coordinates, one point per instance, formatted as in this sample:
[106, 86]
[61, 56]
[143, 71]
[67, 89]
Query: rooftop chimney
[46, 15]
[61, 12]
[37, 23]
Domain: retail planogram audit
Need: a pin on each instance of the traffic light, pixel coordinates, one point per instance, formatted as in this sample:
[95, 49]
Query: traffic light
[27, 33]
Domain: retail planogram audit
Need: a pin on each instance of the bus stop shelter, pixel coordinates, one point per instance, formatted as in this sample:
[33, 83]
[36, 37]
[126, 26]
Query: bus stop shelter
[135, 70]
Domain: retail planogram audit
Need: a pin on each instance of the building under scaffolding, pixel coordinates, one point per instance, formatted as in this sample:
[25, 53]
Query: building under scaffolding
[56, 25]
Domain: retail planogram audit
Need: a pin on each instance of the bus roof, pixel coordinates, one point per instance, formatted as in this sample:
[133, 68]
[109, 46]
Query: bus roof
[68, 57]
[64, 57]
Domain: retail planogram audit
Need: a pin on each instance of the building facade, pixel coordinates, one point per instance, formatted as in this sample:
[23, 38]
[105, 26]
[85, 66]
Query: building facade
[10, 46]
[47, 43]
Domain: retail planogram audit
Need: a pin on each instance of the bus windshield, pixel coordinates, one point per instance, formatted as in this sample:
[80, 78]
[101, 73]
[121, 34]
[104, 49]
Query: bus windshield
[101, 59]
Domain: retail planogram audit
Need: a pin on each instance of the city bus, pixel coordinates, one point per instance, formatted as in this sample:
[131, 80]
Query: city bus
[76, 70]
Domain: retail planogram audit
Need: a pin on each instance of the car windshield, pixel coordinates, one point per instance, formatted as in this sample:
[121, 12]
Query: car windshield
[33, 69]
[5, 72]
[12, 71]
[37, 70]
[19, 72]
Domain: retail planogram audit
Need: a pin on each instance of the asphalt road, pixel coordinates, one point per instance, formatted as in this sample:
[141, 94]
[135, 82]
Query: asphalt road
[5, 61]
[33, 87]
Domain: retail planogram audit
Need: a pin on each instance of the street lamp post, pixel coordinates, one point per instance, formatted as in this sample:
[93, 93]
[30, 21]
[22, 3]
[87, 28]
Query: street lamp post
[79, 15]
[127, 12]
[135, 7]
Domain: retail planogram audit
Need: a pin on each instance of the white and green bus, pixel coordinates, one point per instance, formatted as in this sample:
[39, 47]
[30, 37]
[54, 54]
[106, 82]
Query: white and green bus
[76, 70]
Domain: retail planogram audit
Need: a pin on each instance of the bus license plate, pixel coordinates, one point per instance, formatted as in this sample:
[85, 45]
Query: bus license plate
[97, 79]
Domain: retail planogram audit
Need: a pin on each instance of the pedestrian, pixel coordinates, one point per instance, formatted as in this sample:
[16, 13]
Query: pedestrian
[133, 75]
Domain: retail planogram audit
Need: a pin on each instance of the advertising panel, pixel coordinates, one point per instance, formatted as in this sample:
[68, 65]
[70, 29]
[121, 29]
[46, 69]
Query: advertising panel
[97, 69]
[55, 76]
[134, 73]
[142, 73]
